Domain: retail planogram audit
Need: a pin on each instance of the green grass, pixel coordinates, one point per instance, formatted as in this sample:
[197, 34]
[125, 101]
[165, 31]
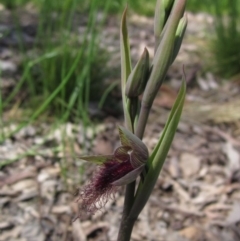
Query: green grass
[206, 5]
[141, 7]
[64, 70]
[59, 76]
[147, 8]
[225, 45]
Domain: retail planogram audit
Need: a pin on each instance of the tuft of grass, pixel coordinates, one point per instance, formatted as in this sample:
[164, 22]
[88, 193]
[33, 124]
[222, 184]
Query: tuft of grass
[62, 64]
[83, 84]
[225, 45]
[147, 8]
[64, 70]
[142, 7]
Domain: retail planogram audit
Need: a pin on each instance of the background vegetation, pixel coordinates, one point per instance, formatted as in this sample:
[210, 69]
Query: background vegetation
[58, 73]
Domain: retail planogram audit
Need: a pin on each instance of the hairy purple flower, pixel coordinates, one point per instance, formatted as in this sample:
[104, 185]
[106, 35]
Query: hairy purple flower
[121, 168]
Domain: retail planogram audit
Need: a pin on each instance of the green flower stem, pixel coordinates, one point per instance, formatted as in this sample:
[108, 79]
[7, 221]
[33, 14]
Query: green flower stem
[142, 121]
[127, 224]
[166, 51]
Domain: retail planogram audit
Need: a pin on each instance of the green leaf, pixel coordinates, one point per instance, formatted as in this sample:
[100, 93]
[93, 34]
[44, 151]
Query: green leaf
[125, 66]
[156, 160]
[125, 50]
[180, 97]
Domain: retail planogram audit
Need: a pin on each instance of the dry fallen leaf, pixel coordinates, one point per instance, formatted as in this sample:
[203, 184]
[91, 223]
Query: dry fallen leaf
[190, 164]
[234, 215]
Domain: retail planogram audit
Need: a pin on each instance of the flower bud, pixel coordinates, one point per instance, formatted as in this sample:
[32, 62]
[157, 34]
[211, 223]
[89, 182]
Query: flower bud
[137, 80]
[162, 11]
[163, 57]
[182, 25]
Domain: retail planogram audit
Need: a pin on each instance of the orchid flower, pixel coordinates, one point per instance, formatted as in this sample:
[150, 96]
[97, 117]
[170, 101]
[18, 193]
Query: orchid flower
[131, 158]
[120, 168]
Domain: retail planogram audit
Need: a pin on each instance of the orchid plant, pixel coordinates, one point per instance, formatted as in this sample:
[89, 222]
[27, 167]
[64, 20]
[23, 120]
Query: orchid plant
[131, 159]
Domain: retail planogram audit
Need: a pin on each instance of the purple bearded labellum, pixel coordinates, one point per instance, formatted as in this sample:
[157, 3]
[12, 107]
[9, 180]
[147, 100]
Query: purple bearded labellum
[120, 168]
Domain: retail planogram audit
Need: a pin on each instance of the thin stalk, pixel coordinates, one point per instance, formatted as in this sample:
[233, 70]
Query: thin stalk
[125, 230]
[142, 121]
[106, 93]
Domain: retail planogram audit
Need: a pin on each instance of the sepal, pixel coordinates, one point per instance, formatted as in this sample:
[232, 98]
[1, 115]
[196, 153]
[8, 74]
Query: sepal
[128, 178]
[139, 151]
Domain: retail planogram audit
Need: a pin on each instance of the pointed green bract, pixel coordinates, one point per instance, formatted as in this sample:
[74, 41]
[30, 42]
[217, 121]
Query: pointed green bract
[159, 155]
[126, 66]
[177, 104]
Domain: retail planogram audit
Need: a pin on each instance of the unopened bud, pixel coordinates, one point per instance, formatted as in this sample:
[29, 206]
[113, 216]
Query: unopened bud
[162, 12]
[182, 25]
[137, 80]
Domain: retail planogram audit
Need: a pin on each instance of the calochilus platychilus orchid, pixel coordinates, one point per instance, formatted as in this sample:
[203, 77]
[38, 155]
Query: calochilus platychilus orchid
[139, 85]
[121, 168]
